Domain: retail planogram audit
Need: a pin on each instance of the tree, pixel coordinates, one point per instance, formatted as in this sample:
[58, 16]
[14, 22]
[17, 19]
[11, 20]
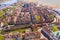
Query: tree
[1, 14]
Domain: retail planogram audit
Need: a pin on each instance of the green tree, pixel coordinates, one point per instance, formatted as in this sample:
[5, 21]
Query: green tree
[1, 13]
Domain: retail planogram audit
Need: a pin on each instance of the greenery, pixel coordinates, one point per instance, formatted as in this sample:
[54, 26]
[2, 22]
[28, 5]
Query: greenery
[6, 24]
[1, 37]
[1, 14]
[2, 32]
